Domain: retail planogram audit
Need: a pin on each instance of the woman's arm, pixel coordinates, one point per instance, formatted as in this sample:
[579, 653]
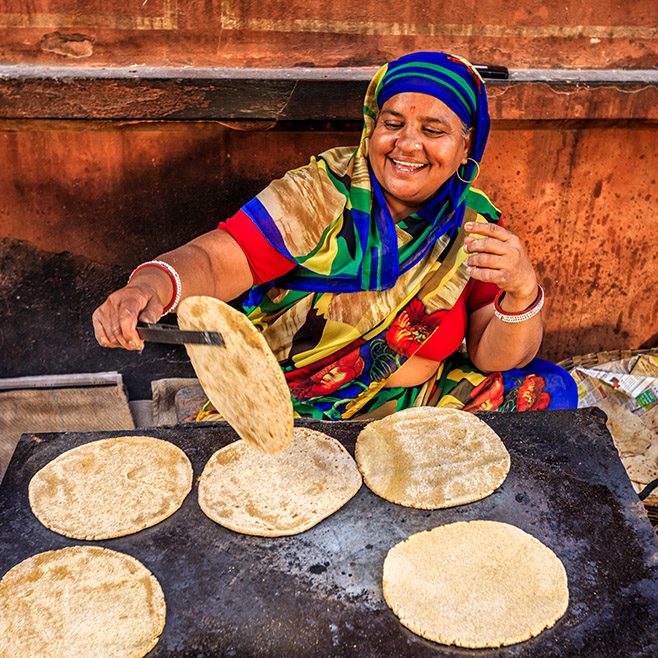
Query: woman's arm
[212, 264]
[499, 257]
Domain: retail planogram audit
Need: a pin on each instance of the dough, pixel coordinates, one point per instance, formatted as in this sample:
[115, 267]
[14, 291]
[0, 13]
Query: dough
[81, 601]
[277, 495]
[243, 379]
[431, 458]
[112, 487]
[475, 584]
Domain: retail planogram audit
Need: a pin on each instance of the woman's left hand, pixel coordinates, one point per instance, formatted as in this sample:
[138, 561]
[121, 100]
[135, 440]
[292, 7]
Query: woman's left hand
[497, 256]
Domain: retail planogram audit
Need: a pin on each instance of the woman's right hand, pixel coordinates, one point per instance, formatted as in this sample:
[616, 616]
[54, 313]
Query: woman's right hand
[115, 320]
[212, 264]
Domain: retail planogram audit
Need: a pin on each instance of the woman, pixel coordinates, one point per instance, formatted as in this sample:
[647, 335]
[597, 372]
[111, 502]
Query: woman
[368, 267]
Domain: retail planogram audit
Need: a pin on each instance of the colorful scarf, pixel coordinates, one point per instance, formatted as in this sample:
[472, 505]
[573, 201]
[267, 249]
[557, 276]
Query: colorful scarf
[346, 239]
[367, 292]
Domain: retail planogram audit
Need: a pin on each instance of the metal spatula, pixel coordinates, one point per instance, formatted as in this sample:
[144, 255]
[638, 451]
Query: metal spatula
[167, 333]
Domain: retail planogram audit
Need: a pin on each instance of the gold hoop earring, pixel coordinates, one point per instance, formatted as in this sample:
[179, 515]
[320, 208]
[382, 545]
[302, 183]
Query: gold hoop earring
[477, 172]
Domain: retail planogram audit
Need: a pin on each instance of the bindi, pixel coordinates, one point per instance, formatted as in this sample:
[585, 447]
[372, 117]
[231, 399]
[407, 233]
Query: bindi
[412, 109]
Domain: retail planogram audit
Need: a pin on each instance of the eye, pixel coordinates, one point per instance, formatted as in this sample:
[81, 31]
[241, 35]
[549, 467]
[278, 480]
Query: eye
[433, 132]
[393, 125]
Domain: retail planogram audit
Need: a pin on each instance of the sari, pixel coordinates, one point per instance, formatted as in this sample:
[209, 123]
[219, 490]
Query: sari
[367, 292]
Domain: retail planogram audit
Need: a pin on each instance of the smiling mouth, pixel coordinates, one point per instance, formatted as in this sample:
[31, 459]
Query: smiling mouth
[407, 167]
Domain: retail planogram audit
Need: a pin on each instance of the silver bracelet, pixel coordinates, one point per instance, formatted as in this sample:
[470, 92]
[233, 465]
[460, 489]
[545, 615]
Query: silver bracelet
[522, 316]
[173, 276]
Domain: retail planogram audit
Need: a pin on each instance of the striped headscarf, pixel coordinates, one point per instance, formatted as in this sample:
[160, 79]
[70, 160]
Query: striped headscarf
[356, 246]
[453, 81]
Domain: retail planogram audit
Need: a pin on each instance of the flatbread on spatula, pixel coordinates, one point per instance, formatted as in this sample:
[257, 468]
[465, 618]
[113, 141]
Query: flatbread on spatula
[431, 458]
[112, 487]
[277, 495]
[242, 379]
[81, 601]
[475, 584]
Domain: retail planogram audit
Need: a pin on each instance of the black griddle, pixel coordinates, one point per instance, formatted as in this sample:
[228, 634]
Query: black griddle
[319, 593]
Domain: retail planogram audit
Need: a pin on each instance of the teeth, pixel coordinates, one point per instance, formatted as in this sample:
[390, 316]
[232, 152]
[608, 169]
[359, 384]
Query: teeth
[412, 165]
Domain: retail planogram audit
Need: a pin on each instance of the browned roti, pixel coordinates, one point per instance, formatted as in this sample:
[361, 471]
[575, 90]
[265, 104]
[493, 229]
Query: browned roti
[81, 601]
[475, 584]
[111, 488]
[243, 379]
[431, 458]
[276, 495]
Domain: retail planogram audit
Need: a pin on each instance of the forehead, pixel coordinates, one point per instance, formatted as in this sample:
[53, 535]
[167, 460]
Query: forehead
[422, 105]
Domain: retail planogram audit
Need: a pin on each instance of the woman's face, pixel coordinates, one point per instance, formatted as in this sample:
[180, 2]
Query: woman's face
[417, 144]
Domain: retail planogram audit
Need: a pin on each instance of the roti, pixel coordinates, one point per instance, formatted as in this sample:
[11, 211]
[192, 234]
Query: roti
[243, 379]
[277, 495]
[111, 488]
[631, 436]
[431, 458]
[81, 601]
[475, 584]
[643, 469]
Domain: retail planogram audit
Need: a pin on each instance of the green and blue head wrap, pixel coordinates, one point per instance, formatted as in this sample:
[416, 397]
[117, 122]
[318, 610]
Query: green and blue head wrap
[453, 81]
[358, 248]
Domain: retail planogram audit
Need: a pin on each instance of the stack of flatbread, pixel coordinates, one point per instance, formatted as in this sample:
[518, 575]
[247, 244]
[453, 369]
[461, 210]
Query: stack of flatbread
[637, 442]
[477, 584]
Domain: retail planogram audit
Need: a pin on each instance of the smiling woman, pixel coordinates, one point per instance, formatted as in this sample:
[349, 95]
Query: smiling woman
[368, 267]
[417, 145]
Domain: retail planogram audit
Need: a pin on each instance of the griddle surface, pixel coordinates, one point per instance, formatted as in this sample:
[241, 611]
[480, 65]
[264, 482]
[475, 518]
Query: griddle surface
[319, 593]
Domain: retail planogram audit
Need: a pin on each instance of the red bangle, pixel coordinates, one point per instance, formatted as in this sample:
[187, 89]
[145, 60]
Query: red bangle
[173, 277]
[519, 316]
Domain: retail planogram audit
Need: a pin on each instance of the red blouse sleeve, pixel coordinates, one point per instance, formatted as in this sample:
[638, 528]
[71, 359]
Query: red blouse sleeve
[481, 294]
[265, 262]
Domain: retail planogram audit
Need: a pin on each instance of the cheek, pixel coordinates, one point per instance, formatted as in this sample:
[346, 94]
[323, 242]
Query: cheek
[381, 143]
[451, 156]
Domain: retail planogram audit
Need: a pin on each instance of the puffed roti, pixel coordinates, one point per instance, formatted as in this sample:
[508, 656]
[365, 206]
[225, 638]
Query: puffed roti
[431, 458]
[278, 495]
[80, 601]
[475, 584]
[243, 379]
[112, 487]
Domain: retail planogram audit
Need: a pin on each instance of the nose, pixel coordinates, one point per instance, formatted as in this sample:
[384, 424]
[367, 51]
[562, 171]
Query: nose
[409, 140]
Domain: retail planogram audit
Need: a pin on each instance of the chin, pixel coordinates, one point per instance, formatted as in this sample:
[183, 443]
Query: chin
[412, 198]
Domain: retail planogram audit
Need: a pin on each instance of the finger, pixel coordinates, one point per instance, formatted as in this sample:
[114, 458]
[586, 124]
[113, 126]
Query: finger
[486, 275]
[488, 230]
[488, 261]
[152, 312]
[128, 326]
[488, 245]
[115, 334]
[112, 324]
[101, 333]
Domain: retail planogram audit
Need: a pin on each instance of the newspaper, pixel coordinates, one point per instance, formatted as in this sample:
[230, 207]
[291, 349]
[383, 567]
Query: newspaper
[632, 382]
[627, 390]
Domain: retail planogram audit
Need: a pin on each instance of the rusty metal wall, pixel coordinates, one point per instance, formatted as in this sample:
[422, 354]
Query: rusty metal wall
[581, 195]
[569, 34]
[574, 172]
